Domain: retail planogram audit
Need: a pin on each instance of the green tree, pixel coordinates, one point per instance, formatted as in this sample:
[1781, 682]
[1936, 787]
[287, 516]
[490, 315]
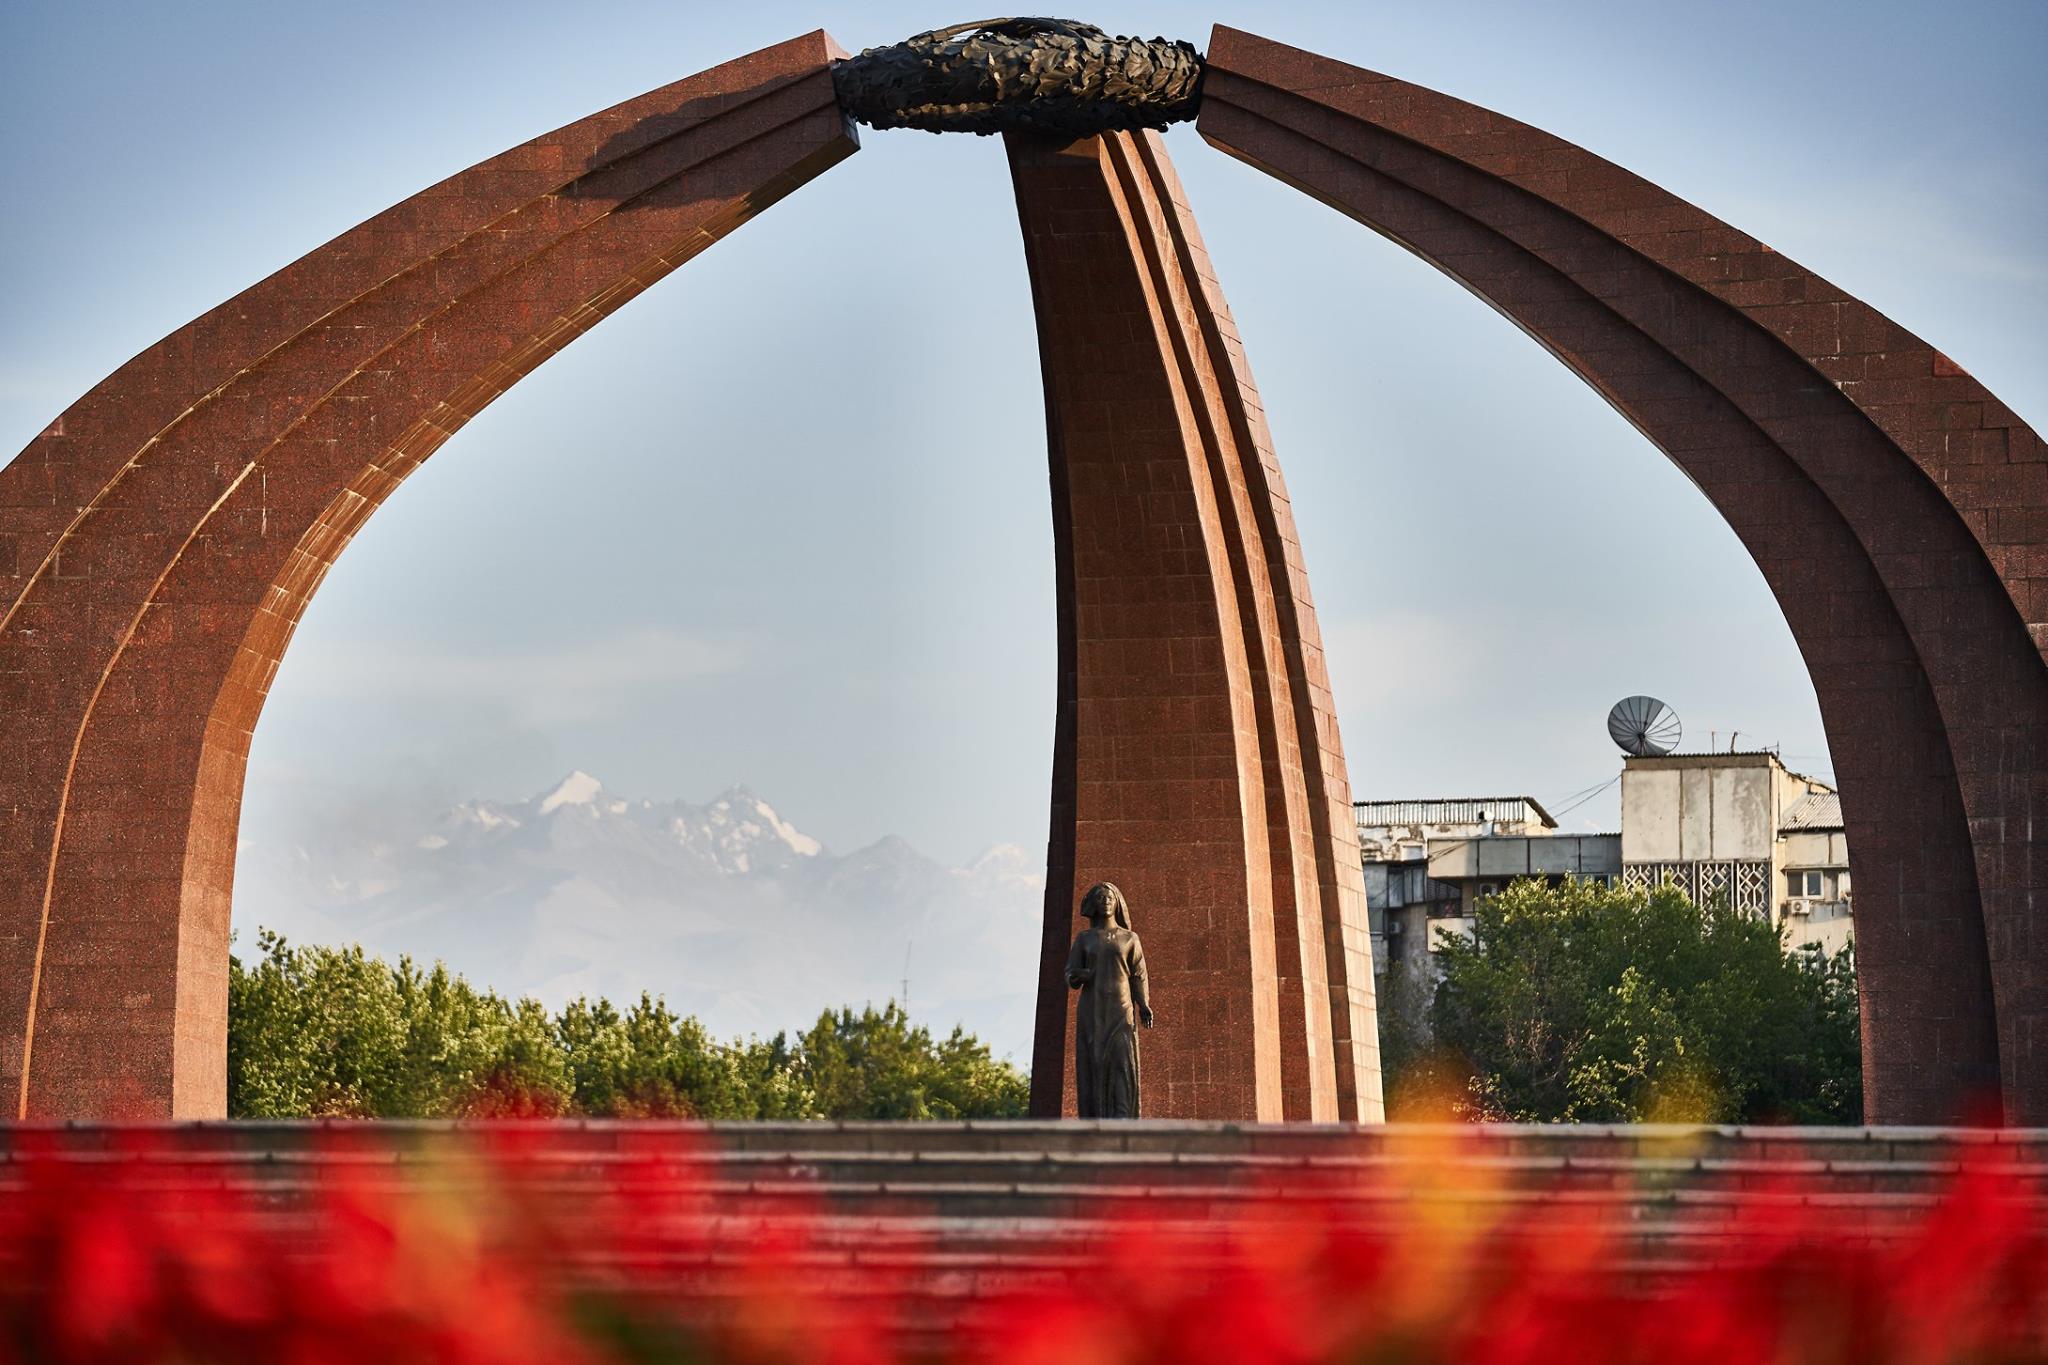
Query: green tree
[1586, 1003]
[311, 1032]
[649, 1063]
[471, 1052]
[777, 1085]
[875, 1065]
[333, 1031]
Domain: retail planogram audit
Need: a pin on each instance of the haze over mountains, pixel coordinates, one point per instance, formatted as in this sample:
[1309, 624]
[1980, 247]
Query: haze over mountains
[725, 908]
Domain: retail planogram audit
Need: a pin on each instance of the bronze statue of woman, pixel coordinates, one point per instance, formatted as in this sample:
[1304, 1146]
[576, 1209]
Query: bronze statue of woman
[1107, 965]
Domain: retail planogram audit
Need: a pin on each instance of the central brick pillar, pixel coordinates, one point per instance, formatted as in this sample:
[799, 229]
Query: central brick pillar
[1196, 757]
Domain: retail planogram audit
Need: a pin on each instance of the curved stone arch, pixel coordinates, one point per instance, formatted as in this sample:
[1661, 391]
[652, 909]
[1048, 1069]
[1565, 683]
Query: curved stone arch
[1894, 506]
[166, 533]
[161, 539]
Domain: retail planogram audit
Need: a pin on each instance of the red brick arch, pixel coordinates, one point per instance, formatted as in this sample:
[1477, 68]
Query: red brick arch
[1897, 509]
[159, 541]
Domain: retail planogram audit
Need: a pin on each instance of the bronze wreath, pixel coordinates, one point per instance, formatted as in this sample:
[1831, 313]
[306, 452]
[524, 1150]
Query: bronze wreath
[1052, 76]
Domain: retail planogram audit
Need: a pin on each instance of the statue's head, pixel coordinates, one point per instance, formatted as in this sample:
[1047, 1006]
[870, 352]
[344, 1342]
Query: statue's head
[1105, 902]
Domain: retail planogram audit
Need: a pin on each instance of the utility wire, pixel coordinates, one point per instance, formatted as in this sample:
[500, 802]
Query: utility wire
[1583, 791]
[1587, 797]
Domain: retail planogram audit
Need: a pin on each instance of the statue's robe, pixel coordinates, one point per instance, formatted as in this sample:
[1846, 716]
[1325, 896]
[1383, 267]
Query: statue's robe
[1107, 964]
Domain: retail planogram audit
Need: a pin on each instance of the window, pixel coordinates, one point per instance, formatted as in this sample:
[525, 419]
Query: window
[1807, 884]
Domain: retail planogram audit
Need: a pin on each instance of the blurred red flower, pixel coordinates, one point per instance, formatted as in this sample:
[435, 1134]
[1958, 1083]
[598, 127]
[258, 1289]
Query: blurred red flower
[516, 1243]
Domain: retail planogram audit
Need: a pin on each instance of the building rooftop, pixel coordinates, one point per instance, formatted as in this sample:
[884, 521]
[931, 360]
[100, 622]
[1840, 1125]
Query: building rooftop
[1705, 753]
[1815, 810]
[1681, 757]
[1456, 810]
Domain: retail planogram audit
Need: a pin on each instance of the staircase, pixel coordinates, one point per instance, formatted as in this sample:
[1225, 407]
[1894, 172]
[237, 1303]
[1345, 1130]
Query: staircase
[934, 1218]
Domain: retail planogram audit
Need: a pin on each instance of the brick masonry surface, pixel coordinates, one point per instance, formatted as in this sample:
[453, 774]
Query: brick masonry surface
[1197, 761]
[1897, 509]
[160, 540]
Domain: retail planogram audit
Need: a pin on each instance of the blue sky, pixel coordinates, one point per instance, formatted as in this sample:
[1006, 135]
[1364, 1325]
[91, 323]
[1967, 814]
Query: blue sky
[783, 520]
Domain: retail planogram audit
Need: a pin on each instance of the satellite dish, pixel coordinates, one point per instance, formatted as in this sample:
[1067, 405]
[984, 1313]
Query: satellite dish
[1643, 726]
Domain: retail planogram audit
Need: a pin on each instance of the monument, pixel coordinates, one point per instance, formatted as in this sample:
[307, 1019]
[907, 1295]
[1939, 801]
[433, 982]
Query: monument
[160, 540]
[1107, 967]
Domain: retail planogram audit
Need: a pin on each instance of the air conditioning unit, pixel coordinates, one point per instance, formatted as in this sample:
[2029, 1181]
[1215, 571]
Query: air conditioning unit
[1799, 905]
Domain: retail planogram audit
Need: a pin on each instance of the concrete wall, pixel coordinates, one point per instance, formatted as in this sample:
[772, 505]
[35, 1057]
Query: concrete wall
[1828, 925]
[1503, 860]
[1814, 848]
[1698, 808]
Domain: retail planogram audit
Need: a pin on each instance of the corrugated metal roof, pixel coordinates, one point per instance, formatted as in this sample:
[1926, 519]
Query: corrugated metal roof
[1456, 810]
[1815, 810]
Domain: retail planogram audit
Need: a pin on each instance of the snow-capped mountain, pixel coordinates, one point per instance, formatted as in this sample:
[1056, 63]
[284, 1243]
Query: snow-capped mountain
[726, 908]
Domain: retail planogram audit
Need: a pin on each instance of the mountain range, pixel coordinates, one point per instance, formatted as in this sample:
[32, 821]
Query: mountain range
[725, 908]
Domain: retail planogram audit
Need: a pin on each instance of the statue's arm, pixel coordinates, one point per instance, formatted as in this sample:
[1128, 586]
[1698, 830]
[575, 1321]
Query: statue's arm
[1140, 992]
[1078, 972]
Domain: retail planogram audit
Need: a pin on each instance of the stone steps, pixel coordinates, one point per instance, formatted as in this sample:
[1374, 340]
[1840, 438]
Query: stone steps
[1171, 1136]
[930, 1220]
[1052, 1162]
[893, 1159]
[1068, 1170]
